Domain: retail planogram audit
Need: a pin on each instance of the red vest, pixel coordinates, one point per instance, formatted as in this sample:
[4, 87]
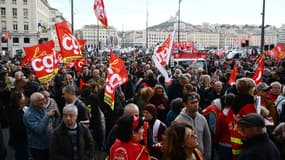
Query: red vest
[211, 108]
[128, 151]
[235, 135]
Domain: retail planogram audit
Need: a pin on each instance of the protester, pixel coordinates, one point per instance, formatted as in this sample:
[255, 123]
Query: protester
[126, 146]
[37, 123]
[180, 142]
[71, 140]
[191, 115]
[257, 144]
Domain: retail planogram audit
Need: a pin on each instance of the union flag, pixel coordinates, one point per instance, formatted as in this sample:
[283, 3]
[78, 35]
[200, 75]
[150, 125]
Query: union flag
[100, 13]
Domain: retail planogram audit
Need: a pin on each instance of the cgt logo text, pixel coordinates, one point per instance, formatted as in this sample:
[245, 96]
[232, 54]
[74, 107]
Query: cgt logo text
[70, 43]
[45, 63]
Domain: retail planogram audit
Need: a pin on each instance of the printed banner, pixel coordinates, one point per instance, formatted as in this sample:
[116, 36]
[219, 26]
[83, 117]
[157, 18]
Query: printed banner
[69, 45]
[116, 76]
[43, 60]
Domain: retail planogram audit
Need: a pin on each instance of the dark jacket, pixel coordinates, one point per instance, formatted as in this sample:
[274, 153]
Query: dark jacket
[259, 147]
[61, 145]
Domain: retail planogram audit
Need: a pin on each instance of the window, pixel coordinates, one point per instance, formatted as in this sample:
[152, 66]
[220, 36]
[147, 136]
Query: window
[26, 26]
[14, 12]
[3, 11]
[26, 40]
[25, 2]
[14, 1]
[4, 25]
[2, 1]
[15, 26]
[25, 12]
[15, 40]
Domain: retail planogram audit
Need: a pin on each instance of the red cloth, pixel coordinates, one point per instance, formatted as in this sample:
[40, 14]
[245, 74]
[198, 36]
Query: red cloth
[222, 129]
[233, 128]
[128, 150]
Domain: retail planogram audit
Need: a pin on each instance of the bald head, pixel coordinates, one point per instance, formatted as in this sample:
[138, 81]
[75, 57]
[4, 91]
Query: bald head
[131, 109]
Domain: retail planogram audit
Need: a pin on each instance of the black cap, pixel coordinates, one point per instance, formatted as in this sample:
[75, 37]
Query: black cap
[251, 120]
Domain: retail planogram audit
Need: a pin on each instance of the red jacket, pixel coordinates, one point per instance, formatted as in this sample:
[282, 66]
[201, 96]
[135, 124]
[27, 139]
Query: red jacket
[128, 151]
[235, 136]
[222, 129]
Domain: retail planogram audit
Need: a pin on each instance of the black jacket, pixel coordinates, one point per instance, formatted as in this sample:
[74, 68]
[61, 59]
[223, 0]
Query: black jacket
[259, 148]
[61, 145]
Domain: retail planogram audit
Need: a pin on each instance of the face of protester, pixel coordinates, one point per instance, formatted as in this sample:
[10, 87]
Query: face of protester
[192, 105]
[68, 97]
[69, 119]
[190, 138]
[276, 89]
[138, 135]
[218, 87]
[158, 91]
[85, 70]
[147, 115]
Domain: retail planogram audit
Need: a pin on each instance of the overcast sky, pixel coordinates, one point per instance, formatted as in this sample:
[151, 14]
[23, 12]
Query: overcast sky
[131, 14]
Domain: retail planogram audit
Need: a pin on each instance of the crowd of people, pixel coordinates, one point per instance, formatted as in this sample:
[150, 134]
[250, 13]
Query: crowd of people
[196, 116]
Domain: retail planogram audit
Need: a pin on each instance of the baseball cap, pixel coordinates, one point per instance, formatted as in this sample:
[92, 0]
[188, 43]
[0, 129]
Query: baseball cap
[263, 86]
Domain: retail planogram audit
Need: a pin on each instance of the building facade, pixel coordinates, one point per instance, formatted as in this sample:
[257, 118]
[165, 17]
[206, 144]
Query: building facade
[27, 21]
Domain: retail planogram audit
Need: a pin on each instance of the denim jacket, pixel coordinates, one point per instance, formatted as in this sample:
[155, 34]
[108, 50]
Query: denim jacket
[38, 128]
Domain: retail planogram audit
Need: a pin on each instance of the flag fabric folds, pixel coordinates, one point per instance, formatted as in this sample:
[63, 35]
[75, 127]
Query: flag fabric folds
[116, 76]
[69, 45]
[162, 54]
[6, 36]
[234, 73]
[43, 60]
[278, 52]
[100, 13]
[257, 77]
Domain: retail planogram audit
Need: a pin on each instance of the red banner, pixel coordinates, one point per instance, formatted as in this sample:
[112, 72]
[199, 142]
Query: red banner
[43, 60]
[6, 36]
[279, 51]
[257, 77]
[100, 13]
[233, 75]
[116, 76]
[69, 45]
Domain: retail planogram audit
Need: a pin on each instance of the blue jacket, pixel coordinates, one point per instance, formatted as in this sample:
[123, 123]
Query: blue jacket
[37, 127]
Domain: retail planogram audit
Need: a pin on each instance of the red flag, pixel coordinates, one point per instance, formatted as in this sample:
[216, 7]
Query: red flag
[79, 63]
[116, 76]
[100, 13]
[82, 43]
[279, 51]
[162, 54]
[81, 84]
[42, 58]
[233, 76]
[69, 45]
[6, 36]
[257, 77]
[260, 58]
[220, 53]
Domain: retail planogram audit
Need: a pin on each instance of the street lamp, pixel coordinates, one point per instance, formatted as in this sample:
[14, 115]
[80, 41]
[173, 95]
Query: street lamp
[262, 28]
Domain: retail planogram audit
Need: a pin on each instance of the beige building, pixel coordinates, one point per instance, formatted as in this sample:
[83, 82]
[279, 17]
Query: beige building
[96, 34]
[28, 22]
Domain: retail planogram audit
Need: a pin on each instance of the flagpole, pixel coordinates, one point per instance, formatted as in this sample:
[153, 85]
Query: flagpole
[98, 44]
[179, 1]
[72, 18]
[262, 28]
[146, 38]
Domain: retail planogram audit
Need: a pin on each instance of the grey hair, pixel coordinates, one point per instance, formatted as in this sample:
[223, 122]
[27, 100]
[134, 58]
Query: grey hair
[131, 106]
[36, 97]
[70, 108]
[69, 89]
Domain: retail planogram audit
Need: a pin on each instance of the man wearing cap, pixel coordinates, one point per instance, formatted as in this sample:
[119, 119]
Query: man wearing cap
[256, 143]
[262, 90]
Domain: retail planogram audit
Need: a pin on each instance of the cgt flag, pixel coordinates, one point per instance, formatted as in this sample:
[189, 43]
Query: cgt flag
[100, 13]
[162, 54]
[69, 45]
[43, 60]
[116, 76]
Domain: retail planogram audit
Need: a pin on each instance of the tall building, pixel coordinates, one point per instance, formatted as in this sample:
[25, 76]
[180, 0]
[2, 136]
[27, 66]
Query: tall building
[281, 34]
[28, 22]
[96, 34]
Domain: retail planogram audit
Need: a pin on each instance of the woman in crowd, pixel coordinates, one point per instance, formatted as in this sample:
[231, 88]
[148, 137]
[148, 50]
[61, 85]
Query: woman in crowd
[18, 137]
[129, 134]
[180, 142]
